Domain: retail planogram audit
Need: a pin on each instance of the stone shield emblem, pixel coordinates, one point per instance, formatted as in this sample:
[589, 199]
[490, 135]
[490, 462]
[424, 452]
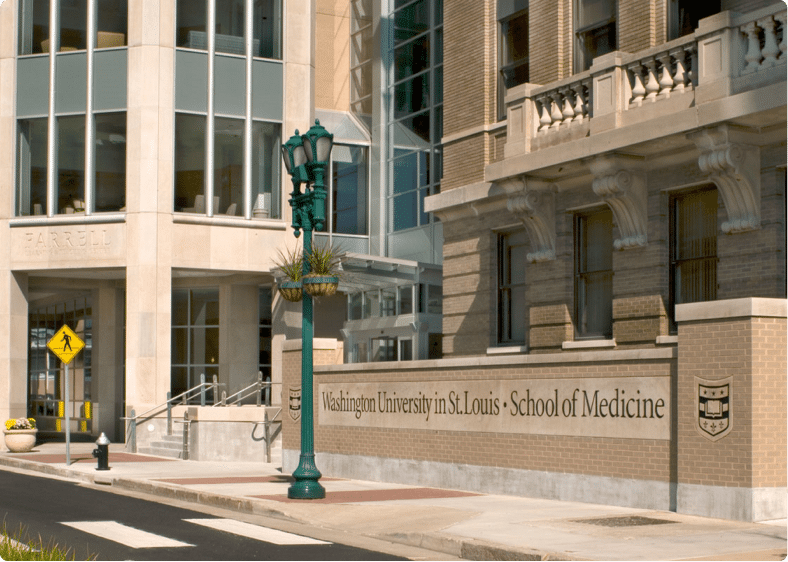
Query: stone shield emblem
[714, 407]
[295, 403]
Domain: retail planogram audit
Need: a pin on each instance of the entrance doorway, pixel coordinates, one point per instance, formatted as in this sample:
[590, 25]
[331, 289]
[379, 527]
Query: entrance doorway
[47, 374]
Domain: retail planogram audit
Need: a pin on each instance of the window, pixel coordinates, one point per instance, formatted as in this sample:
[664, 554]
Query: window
[430, 299]
[111, 25]
[195, 337]
[594, 275]
[693, 249]
[230, 24]
[69, 189]
[348, 190]
[595, 31]
[511, 288]
[384, 349]
[405, 299]
[513, 63]
[415, 117]
[264, 327]
[684, 15]
[228, 164]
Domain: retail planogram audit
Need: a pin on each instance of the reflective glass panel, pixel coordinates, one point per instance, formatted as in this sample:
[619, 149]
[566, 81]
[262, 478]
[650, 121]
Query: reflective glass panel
[228, 166]
[349, 189]
[33, 26]
[112, 24]
[265, 169]
[267, 29]
[189, 163]
[73, 25]
[71, 164]
[110, 162]
[191, 24]
[230, 26]
[32, 167]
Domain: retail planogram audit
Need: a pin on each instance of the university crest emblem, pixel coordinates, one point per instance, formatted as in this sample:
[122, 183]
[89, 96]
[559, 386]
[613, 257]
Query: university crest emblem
[295, 403]
[714, 408]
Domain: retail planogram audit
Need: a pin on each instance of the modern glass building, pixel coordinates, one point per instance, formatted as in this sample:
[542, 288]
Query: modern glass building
[145, 199]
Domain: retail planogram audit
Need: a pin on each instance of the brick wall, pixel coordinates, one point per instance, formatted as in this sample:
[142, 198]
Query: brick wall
[640, 459]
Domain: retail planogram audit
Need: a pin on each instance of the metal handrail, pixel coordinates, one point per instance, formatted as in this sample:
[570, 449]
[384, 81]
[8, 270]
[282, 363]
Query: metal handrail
[238, 397]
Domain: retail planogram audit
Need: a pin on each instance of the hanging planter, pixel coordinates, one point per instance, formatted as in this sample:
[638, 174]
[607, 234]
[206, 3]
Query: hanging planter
[291, 290]
[321, 285]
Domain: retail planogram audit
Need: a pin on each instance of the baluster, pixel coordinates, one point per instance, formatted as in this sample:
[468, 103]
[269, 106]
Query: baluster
[638, 90]
[770, 49]
[753, 56]
[652, 84]
[681, 76]
[781, 18]
[555, 114]
[692, 71]
[568, 111]
[544, 120]
[580, 105]
[666, 79]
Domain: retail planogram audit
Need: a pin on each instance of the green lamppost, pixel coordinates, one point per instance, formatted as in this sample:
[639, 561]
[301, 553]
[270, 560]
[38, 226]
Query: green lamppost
[306, 158]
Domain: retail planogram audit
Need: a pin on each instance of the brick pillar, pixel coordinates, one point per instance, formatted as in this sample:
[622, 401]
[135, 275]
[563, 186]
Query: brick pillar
[731, 409]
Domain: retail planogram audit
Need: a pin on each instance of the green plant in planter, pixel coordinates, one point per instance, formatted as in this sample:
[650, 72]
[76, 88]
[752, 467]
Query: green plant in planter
[291, 263]
[323, 276]
[323, 261]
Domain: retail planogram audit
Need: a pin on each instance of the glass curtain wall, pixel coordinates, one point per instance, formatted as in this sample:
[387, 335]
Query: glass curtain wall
[361, 37]
[415, 116]
[226, 172]
[348, 200]
[105, 132]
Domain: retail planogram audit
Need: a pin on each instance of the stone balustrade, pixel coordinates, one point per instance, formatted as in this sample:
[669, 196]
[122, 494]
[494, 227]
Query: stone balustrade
[729, 53]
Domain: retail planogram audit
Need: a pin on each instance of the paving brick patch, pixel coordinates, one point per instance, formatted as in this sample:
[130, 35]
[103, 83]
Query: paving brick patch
[236, 480]
[378, 495]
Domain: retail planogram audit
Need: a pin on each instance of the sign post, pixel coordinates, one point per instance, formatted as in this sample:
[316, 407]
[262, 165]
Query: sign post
[65, 344]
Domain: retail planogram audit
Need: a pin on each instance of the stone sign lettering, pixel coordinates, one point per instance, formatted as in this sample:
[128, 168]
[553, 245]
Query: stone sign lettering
[622, 407]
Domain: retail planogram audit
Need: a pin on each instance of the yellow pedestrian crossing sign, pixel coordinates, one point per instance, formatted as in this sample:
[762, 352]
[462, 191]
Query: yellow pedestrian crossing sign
[65, 344]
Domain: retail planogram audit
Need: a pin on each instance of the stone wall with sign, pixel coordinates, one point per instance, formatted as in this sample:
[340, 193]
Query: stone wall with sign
[622, 427]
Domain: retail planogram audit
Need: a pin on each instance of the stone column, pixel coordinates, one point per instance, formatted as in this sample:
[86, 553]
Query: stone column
[13, 345]
[107, 366]
[731, 409]
[239, 339]
[149, 201]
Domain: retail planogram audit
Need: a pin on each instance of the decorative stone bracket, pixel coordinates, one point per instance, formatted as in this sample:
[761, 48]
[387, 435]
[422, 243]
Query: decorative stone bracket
[624, 191]
[735, 170]
[537, 211]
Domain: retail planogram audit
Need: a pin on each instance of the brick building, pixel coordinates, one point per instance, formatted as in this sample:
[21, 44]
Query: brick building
[613, 210]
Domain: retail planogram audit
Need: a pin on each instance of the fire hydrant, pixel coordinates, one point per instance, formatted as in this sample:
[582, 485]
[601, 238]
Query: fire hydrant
[102, 452]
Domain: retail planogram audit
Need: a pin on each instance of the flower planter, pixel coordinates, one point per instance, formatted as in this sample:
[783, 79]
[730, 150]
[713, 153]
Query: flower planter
[20, 440]
[290, 290]
[321, 285]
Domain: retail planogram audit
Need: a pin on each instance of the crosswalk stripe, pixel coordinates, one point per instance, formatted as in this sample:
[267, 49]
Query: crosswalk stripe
[123, 534]
[255, 532]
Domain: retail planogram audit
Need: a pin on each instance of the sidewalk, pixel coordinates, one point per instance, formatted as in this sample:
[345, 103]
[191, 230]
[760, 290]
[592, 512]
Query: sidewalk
[451, 523]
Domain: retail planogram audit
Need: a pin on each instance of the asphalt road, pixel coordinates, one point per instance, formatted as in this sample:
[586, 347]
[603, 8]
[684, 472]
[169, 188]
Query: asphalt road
[109, 526]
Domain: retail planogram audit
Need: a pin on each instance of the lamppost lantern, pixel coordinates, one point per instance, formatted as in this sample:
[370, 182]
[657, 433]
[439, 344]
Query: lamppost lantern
[293, 152]
[317, 143]
[306, 158]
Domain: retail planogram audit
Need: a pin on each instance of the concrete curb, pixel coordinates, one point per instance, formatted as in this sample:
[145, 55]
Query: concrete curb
[470, 549]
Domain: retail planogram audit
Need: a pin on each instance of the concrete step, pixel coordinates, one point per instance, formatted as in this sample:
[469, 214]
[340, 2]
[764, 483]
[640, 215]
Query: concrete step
[174, 438]
[158, 451]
